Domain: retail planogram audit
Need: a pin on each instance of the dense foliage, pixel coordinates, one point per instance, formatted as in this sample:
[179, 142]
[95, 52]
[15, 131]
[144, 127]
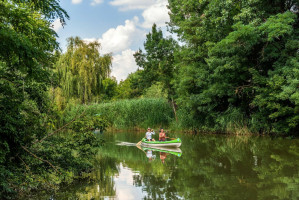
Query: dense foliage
[238, 66]
[32, 156]
[25, 40]
[130, 87]
[158, 60]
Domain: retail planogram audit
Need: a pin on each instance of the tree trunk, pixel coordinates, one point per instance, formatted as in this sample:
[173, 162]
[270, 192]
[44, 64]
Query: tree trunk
[174, 109]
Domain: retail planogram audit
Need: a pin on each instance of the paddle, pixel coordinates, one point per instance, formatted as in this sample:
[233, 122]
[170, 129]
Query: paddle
[169, 137]
[139, 143]
[139, 147]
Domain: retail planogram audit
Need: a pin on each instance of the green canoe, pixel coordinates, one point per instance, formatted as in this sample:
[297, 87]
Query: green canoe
[175, 151]
[172, 143]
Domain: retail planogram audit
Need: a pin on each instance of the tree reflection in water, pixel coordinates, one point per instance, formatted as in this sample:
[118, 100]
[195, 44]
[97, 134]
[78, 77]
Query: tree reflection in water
[211, 167]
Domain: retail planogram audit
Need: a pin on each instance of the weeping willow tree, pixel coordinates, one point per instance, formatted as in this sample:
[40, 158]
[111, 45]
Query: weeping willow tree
[81, 70]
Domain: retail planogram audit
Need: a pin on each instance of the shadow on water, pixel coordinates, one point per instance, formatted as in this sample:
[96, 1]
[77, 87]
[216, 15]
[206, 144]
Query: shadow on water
[211, 167]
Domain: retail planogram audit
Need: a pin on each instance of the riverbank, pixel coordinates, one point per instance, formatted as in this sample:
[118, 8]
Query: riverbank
[138, 114]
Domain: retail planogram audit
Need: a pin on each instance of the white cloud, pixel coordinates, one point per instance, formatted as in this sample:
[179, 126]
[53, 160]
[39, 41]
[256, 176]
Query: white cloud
[76, 1]
[119, 42]
[56, 25]
[123, 64]
[96, 2]
[120, 38]
[88, 40]
[93, 2]
[156, 13]
[132, 4]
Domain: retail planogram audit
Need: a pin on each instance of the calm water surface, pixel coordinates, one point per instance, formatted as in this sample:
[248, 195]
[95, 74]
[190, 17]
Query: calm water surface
[208, 167]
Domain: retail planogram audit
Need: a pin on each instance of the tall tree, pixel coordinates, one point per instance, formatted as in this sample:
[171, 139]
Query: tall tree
[158, 60]
[82, 69]
[26, 59]
[239, 64]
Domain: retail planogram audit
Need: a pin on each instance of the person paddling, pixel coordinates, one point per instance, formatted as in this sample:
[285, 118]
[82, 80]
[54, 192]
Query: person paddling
[162, 135]
[149, 134]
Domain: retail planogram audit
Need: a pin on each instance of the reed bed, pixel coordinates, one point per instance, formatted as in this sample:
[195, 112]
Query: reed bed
[130, 113]
[136, 112]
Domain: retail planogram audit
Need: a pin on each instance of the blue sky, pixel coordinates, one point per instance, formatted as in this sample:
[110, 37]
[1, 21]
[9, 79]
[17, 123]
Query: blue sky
[119, 25]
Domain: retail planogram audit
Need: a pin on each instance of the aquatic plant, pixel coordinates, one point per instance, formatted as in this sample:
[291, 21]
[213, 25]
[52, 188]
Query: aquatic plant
[134, 112]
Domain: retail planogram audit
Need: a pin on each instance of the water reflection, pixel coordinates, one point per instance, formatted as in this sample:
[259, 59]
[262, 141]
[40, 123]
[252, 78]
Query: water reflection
[125, 186]
[163, 152]
[212, 167]
[149, 155]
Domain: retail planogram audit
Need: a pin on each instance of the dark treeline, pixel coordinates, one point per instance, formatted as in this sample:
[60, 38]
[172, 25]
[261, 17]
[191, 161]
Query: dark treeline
[235, 71]
[238, 66]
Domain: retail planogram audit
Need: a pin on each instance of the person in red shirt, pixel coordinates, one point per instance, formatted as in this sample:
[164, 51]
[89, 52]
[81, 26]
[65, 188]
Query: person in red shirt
[162, 135]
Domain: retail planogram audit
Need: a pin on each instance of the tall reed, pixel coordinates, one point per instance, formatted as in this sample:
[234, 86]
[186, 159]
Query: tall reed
[134, 112]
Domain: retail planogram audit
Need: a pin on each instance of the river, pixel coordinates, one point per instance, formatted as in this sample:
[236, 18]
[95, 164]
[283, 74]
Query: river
[205, 167]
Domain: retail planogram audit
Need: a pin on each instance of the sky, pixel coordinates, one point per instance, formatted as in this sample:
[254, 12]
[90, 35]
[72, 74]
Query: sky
[119, 25]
